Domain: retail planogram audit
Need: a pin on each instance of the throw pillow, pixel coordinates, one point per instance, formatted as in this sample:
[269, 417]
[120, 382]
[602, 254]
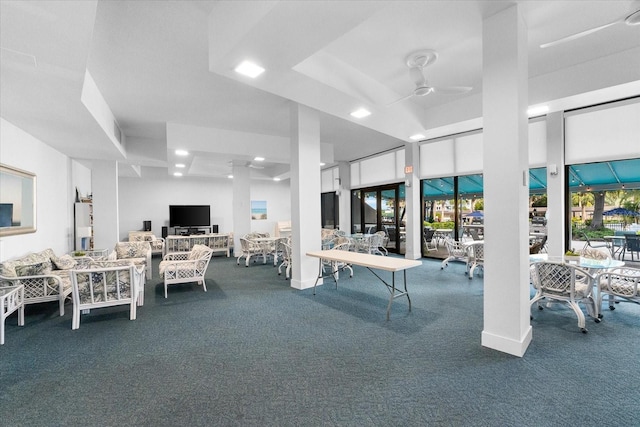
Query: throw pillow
[65, 262]
[37, 269]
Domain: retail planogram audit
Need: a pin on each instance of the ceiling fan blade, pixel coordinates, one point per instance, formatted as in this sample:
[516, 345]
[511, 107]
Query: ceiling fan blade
[399, 100]
[580, 34]
[415, 73]
[453, 90]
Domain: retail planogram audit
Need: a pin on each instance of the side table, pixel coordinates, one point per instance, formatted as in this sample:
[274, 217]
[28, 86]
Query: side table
[11, 299]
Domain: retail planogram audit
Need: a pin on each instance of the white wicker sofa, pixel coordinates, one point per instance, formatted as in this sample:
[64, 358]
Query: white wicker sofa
[44, 275]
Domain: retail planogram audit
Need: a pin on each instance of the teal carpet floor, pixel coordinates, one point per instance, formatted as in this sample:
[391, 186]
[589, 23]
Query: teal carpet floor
[252, 351]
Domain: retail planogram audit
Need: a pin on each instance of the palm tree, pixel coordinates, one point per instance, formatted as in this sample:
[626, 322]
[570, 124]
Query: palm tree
[582, 200]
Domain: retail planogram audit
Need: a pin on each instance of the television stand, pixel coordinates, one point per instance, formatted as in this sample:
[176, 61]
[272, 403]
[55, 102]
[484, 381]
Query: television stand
[186, 231]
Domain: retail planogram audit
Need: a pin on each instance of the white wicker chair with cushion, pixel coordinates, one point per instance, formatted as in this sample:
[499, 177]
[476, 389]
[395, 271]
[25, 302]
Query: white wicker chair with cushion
[619, 284]
[186, 267]
[156, 243]
[138, 252]
[565, 283]
[106, 285]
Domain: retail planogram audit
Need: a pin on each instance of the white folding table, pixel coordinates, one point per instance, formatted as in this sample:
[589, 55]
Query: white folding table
[371, 262]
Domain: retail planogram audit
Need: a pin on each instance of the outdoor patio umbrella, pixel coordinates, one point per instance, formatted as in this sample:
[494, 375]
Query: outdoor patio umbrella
[620, 211]
[475, 214]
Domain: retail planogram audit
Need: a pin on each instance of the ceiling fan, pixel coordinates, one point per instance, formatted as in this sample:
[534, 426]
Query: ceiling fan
[417, 62]
[632, 18]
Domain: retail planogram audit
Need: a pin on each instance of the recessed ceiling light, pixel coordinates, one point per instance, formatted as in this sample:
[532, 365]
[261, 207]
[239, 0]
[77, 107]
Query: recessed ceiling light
[230, 176]
[177, 174]
[276, 179]
[358, 114]
[249, 69]
[259, 159]
[180, 165]
[322, 164]
[416, 137]
[182, 153]
[537, 111]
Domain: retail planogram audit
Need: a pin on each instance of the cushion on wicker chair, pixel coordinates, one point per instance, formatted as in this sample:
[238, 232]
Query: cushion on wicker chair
[65, 262]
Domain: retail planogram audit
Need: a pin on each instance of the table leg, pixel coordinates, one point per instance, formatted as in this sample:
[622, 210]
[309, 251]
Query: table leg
[334, 274]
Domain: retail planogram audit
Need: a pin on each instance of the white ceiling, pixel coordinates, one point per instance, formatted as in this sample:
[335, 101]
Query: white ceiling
[165, 68]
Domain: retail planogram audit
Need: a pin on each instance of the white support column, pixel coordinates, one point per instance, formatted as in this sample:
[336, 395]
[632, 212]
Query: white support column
[344, 200]
[555, 184]
[106, 220]
[506, 186]
[305, 194]
[413, 234]
[241, 203]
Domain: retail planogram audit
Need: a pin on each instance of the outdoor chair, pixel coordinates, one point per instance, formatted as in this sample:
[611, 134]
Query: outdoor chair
[590, 244]
[631, 245]
[564, 283]
[428, 240]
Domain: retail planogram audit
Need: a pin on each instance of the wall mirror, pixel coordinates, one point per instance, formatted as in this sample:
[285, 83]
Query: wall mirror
[17, 201]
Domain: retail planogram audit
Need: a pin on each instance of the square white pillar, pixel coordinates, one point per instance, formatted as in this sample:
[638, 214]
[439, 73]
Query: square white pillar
[241, 203]
[506, 185]
[556, 211]
[106, 219]
[305, 194]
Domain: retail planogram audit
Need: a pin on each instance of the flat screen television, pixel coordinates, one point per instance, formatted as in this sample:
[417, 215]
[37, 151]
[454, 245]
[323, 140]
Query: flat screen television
[189, 215]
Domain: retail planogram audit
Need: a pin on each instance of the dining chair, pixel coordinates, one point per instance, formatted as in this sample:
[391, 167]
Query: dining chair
[457, 252]
[285, 248]
[475, 252]
[564, 283]
[619, 283]
[337, 266]
[631, 245]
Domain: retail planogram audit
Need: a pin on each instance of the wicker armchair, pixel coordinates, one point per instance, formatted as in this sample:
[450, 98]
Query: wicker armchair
[186, 267]
[156, 243]
[138, 252]
[107, 284]
[565, 283]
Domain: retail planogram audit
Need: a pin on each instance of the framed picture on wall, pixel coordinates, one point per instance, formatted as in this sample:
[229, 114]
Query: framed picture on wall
[17, 201]
[258, 209]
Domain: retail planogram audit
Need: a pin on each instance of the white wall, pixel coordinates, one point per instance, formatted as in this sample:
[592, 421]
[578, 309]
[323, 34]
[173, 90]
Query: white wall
[54, 202]
[143, 199]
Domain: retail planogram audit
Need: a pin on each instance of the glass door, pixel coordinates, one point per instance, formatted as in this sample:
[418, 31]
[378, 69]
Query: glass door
[380, 209]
